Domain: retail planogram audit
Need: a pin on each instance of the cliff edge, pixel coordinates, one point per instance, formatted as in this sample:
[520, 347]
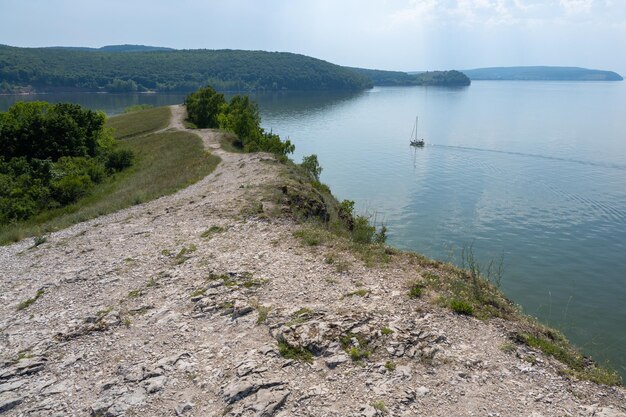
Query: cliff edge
[215, 301]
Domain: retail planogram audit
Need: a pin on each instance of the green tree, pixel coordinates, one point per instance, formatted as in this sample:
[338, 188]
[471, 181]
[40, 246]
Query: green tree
[241, 116]
[203, 107]
[312, 166]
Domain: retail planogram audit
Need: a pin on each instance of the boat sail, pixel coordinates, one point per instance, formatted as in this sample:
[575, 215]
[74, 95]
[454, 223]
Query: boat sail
[414, 139]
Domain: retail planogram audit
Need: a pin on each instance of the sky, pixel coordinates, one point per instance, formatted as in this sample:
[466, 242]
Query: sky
[402, 35]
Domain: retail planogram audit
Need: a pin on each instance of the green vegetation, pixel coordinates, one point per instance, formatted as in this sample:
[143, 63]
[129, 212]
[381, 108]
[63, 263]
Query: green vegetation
[264, 312]
[139, 122]
[380, 406]
[295, 353]
[396, 78]
[27, 303]
[416, 290]
[155, 172]
[360, 293]
[59, 69]
[211, 231]
[356, 346]
[554, 344]
[51, 155]
[462, 307]
[390, 366]
[184, 254]
[542, 74]
[207, 108]
[385, 331]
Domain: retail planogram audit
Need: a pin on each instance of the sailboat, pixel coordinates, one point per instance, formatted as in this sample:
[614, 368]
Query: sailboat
[414, 140]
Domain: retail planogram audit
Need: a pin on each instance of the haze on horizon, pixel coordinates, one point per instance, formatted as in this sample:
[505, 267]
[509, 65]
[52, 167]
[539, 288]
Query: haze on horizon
[390, 34]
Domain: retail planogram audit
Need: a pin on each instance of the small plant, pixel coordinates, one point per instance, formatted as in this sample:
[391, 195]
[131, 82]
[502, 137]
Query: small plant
[183, 254]
[27, 303]
[290, 352]
[462, 307]
[356, 354]
[166, 252]
[381, 236]
[301, 316]
[127, 322]
[390, 366]
[197, 293]
[380, 406]
[416, 290]
[360, 293]
[211, 231]
[362, 230]
[263, 314]
[386, 331]
[508, 347]
[310, 237]
[39, 240]
[356, 346]
[134, 293]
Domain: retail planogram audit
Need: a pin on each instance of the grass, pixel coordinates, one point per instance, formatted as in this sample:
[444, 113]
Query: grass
[385, 331]
[156, 172]
[390, 366]
[27, 303]
[380, 406]
[554, 344]
[461, 307]
[264, 312]
[139, 122]
[227, 142]
[291, 352]
[211, 231]
[360, 293]
[356, 346]
[184, 254]
[416, 290]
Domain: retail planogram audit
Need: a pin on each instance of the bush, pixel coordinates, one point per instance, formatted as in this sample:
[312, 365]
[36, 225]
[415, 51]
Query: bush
[120, 159]
[204, 106]
[362, 231]
[462, 307]
[312, 167]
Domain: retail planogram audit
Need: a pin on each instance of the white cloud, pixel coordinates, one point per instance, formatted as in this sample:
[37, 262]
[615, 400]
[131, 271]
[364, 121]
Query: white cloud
[577, 6]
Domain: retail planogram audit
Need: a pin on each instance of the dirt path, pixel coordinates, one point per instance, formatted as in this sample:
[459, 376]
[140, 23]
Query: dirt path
[158, 310]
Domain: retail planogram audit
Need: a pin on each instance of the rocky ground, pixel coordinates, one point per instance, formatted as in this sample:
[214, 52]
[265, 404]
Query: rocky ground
[182, 306]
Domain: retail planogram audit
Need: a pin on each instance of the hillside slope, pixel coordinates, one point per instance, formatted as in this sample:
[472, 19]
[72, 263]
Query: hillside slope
[54, 69]
[542, 74]
[202, 302]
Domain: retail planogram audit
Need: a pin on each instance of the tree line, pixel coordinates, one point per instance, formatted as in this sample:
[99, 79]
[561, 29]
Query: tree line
[50, 69]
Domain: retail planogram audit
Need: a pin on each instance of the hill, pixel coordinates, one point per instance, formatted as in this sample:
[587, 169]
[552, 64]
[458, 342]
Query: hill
[63, 69]
[542, 73]
[223, 300]
[398, 78]
[114, 48]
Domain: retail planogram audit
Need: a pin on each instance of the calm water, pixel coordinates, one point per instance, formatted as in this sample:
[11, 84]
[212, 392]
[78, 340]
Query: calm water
[531, 171]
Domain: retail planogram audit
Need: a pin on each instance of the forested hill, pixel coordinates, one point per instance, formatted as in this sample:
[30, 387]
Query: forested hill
[397, 78]
[63, 69]
[542, 74]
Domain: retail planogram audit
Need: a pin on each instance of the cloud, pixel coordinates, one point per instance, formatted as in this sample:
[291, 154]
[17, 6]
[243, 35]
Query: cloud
[577, 6]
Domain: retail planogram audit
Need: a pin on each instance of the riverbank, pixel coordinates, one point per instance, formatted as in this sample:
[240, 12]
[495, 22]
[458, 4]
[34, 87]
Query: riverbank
[160, 308]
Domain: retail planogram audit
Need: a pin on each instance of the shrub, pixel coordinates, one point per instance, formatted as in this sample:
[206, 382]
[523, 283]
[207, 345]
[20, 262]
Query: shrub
[462, 307]
[312, 167]
[416, 290]
[120, 159]
[362, 231]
